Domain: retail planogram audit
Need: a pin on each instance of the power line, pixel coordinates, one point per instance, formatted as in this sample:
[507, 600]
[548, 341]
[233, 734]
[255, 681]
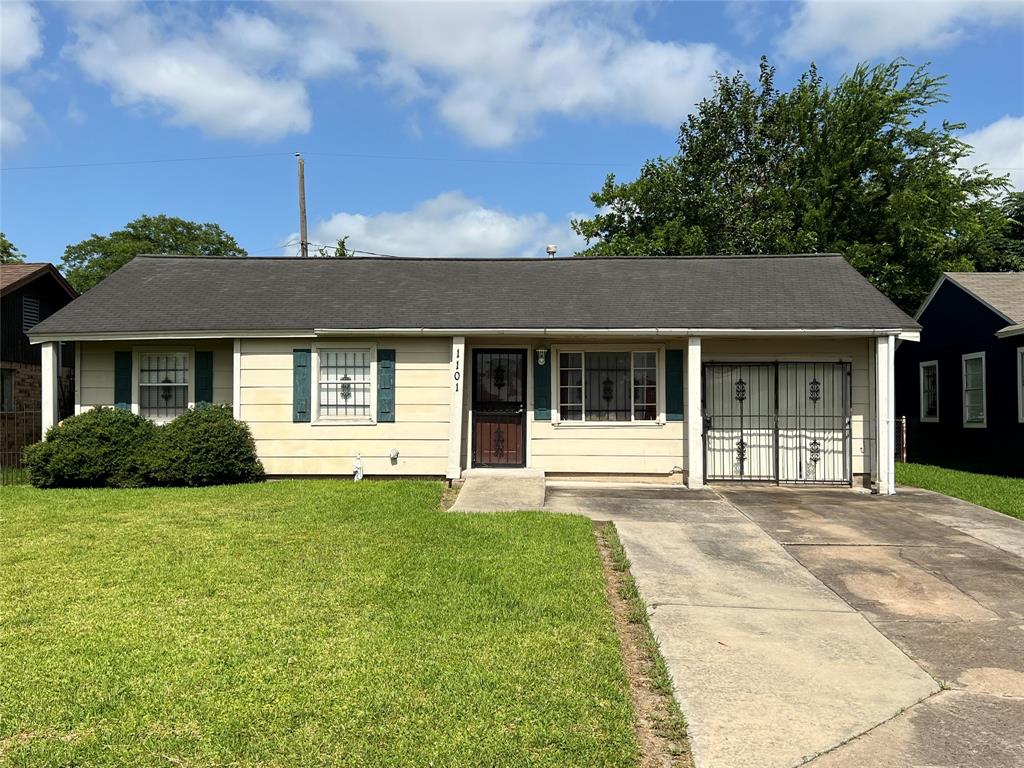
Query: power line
[151, 161]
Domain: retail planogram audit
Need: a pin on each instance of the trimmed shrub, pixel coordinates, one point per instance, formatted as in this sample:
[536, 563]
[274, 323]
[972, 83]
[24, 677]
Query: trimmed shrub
[203, 446]
[99, 448]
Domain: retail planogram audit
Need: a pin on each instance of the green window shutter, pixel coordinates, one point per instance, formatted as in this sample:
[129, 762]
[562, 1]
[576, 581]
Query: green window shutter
[385, 385]
[300, 384]
[123, 380]
[542, 389]
[674, 384]
[204, 377]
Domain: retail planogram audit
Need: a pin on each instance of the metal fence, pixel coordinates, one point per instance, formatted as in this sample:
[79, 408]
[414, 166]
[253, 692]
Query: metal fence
[18, 429]
[901, 439]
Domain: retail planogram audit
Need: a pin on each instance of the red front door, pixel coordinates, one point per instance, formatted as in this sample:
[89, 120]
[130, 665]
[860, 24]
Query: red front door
[499, 408]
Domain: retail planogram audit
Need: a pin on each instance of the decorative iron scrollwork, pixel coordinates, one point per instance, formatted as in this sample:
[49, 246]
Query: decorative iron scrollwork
[815, 451]
[498, 377]
[608, 390]
[815, 393]
[741, 451]
[741, 390]
[345, 390]
[499, 442]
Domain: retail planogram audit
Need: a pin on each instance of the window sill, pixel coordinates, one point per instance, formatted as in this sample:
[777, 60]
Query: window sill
[607, 424]
[976, 425]
[929, 420]
[344, 423]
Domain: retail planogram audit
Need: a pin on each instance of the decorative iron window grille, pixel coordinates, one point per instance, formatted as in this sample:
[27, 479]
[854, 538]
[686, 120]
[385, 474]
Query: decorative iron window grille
[814, 390]
[344, 382]
[741, 390]
[608, 386]
[163, 384]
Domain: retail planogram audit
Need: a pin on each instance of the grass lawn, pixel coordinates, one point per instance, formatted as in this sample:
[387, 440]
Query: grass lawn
[302, 623]
[1003, 494]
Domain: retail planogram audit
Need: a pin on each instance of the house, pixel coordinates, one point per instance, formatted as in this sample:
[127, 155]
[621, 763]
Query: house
[28, 293]
[961, 388]
[706, 369]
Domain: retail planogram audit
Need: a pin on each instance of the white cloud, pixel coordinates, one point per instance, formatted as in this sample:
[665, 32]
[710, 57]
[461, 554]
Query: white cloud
[198, 79]
[1000, 145]
[449, 225]
[871, 28]
[491, 70]
[20, 44]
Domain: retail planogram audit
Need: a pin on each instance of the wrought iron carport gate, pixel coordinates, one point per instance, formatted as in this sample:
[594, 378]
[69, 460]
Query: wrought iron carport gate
[781, 422]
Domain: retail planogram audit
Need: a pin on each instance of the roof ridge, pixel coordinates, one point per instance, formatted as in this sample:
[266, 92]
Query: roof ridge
[510, 259]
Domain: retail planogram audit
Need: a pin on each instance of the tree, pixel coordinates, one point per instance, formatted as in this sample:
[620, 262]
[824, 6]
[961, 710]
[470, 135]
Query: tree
[90, 261]
[9, 253]
[852, 169]
[339, 251]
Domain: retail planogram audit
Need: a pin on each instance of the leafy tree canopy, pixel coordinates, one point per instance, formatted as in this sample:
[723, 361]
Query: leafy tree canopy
[338, 251]
[90, 261]
[851, 168]
[9, 253]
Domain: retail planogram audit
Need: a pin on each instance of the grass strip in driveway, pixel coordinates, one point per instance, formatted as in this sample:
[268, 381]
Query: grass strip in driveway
[302, 623]
[1003, 494]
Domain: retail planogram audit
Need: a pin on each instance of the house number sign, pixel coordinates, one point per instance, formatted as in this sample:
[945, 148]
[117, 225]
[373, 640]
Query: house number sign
[457, 373]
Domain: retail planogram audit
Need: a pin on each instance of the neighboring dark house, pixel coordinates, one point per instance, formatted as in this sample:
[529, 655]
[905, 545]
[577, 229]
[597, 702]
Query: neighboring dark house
[29, 293]
[962, 387]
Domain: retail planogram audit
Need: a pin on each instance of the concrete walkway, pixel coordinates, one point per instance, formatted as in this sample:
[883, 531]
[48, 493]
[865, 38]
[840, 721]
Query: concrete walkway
[499, 490]
[771, 667]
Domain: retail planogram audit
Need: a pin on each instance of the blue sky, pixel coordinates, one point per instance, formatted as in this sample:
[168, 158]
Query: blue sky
[428, 130]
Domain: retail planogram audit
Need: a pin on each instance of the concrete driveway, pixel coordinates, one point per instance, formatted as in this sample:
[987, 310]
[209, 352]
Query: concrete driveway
[830, 627]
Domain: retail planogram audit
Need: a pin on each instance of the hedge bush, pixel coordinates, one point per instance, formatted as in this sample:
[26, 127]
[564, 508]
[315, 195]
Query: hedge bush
[105, 447]
[203, 446]
[108, 447]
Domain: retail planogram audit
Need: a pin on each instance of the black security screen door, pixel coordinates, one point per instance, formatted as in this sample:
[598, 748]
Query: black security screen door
[499, 408]
[778, 422]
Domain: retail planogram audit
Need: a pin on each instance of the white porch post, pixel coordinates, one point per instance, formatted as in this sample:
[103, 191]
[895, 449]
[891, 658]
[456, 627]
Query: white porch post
[885, 438]
[694, 418]
[49, 384]
[236, 379]
[456, 382]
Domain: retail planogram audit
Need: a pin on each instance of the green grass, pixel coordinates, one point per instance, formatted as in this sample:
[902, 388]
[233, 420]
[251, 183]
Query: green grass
[1003, 494]
[302, 623]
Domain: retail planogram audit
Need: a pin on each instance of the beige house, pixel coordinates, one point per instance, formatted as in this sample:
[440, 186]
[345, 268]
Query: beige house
[693, 369]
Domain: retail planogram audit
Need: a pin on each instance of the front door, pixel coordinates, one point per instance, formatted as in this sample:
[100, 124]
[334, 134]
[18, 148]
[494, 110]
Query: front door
[499, 408]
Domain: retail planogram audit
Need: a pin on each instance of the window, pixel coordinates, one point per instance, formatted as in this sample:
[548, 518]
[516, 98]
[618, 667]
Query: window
[29, 312]
[1020, 384]
[605, 386]
[930, 391]
[974, 389]
[163, 384]
[344, 381]
[6, 389]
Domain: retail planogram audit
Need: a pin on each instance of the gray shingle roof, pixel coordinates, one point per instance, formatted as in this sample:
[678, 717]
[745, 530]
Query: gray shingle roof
[1003, 291]
[182, 294]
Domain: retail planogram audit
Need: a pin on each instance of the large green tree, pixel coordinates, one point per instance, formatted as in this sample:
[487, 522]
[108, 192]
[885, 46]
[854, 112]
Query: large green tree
[93, 259]
[852, 168]
[9, 253]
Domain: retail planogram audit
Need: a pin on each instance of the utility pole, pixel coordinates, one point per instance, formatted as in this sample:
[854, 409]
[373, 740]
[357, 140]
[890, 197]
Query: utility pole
[303, 238]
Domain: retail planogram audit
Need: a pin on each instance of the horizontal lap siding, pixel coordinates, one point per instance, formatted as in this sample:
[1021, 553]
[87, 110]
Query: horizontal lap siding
[856, 351]
[419, 432]
[96, 378]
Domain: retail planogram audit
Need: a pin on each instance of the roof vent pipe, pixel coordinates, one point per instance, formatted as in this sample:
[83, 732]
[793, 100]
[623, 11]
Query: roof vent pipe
[551, 249]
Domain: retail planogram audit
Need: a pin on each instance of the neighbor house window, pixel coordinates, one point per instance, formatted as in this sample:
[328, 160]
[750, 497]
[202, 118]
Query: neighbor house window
[1020, 384]
[6, 389]
[344, 384]
[604, 386]
[930, 391]
[974, 389]
[29, 312]
[163, 384]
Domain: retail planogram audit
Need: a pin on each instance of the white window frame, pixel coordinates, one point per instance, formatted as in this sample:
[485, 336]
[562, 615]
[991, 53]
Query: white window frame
[556, 410]
[314, 385]
[1020, 385]
[963, 391]
[137, 354]
[920, 376]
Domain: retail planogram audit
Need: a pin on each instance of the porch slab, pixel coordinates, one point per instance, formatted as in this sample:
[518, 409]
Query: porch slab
[500, 490]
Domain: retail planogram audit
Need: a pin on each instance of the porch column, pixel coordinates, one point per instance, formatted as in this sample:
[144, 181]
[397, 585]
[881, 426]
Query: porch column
[694, 418]
[50, 371]
[885, 437]
[456, 378]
